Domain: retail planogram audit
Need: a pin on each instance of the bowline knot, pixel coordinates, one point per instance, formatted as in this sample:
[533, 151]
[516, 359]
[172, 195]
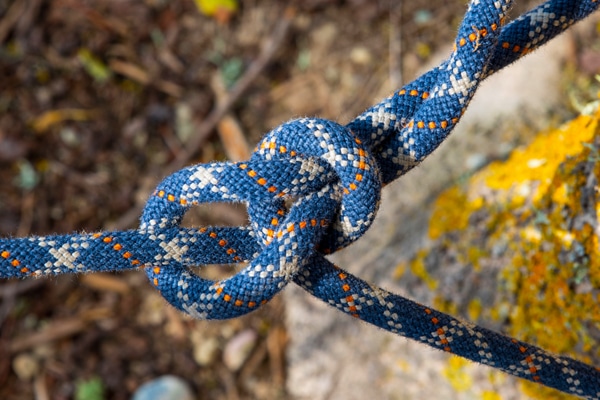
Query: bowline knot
[321, 165]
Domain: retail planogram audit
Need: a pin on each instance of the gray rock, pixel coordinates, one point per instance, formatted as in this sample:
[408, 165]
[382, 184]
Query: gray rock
[238, 349]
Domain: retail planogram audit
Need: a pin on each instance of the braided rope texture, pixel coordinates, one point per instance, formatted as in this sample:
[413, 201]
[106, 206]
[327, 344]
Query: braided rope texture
[335, 174]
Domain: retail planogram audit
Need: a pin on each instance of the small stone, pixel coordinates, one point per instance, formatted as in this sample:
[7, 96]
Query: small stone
[238, 349]
[205, 351]
[227, 331]
[26, 366]
[361, 56]
[166, 387]
[422, 17]
[184, 125]
[70, 137]
[153, 310]
[324, 36]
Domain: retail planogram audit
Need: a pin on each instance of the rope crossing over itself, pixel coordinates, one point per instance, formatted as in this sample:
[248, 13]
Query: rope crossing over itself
[336, 172]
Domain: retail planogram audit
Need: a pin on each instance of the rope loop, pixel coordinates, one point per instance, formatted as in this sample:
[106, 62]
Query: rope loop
[319, 162]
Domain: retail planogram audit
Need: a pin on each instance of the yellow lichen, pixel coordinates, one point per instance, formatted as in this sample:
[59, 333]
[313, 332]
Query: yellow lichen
[474, 309]
[446, 216]
[539, 161]
[417, 267]
[456, 374]
[399, 271]
[488, 395]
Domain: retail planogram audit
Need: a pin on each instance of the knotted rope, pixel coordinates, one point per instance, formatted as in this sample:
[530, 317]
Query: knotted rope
[336, 173]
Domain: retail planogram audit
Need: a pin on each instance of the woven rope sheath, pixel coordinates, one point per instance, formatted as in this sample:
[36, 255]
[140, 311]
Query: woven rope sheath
[336, 172]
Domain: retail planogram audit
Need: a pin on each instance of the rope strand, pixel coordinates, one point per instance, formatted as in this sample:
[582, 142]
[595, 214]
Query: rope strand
[336, 172]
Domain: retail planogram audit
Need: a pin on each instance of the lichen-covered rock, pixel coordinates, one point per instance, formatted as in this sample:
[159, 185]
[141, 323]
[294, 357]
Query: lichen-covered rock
[530, 223]
[333, 356]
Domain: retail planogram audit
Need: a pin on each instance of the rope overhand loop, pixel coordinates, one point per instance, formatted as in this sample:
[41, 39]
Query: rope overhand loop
[317, 161]
[356, 169]
[334, 173]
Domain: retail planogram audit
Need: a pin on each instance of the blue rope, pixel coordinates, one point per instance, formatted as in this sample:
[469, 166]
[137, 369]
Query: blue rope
[336, 172]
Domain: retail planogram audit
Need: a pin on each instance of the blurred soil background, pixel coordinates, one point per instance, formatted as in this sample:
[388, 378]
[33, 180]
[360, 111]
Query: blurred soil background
[100, 99]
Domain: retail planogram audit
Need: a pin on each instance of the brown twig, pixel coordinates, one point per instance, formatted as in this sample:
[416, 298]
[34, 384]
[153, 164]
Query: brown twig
[57, 329]
[11, 18]
[40, 388]
[228, 381]
[251, 365]
[276, 343]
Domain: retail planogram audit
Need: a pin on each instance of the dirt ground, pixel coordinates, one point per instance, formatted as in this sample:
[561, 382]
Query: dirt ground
[100, 99]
